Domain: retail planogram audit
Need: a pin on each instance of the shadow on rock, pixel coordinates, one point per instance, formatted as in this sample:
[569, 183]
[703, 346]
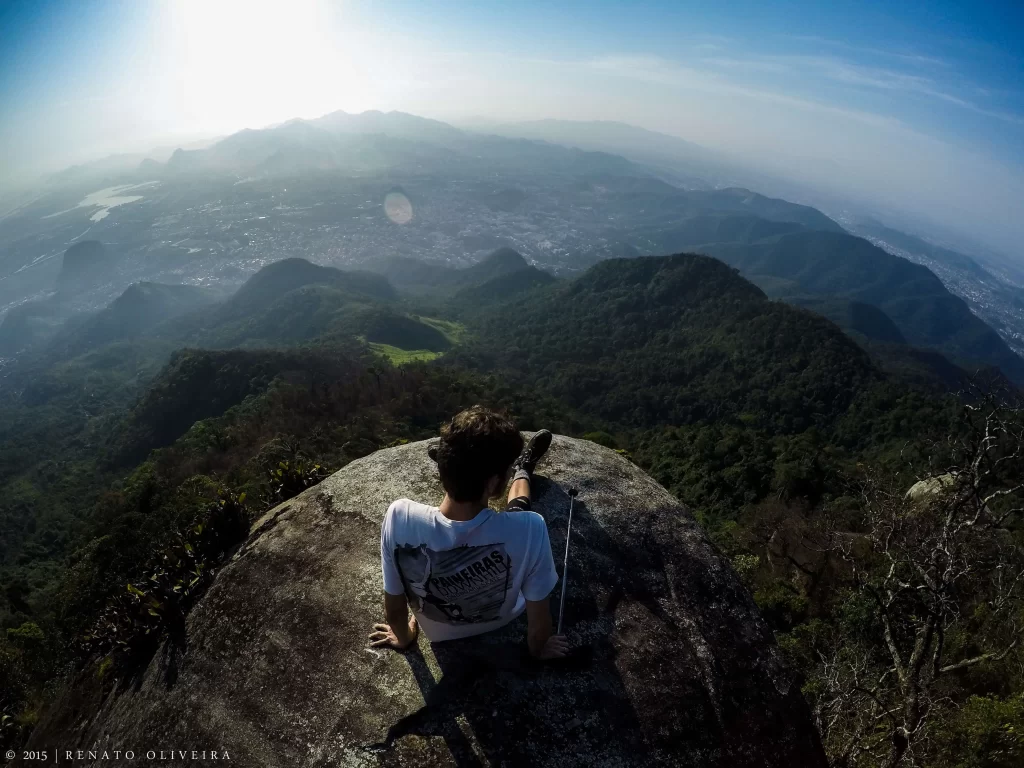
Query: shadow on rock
[490, 692]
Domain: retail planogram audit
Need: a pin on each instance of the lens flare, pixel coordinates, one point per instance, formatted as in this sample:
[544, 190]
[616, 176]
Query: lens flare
[398, 208]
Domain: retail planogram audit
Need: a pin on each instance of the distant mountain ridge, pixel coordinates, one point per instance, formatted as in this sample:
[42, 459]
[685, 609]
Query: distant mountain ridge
[376, 141]
[692, 163]
[771, 208]
[992, 293]
[901, 240]
[780, 245]
[842, 265]
[420, 278]
[131, 315]
[394, 123]
[651, 205]
[699, 229]
[280, 277]
[602, 135]
[287, 302]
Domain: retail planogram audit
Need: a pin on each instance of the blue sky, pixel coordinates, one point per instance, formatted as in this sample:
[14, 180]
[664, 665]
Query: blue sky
[917, 104]
[949, 69]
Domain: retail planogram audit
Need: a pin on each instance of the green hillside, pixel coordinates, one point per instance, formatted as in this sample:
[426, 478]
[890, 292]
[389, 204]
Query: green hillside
[198, 384]
[703, 341]
[839, 265]
[856, 318]
[504, 288]
[281, 277]
[822, 268]
[131, 315]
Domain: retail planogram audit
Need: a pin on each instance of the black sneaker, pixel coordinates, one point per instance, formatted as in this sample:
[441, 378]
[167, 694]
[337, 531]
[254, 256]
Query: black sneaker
[533, 452]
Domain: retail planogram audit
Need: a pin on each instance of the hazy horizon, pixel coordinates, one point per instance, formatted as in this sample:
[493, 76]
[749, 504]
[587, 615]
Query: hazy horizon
[920, 108]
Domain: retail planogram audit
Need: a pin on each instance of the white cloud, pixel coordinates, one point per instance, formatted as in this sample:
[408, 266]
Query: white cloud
[664, 72]
[910, 57]
[846, 72]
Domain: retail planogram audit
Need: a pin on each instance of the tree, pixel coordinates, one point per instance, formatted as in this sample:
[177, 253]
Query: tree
[936, 575]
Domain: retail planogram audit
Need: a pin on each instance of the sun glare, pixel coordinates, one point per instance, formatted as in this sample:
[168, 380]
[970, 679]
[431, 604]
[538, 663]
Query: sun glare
[245, 62]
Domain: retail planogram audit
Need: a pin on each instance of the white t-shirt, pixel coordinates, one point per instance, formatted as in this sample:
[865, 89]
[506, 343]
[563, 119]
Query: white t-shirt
[465, 577]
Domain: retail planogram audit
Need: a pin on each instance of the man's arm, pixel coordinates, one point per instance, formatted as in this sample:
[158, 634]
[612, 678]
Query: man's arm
[544, 643]
[401, 628]
[540, 580]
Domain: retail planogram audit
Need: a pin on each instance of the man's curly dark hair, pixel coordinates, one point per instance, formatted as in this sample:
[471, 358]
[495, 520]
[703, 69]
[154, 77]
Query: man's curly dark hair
[476, 445]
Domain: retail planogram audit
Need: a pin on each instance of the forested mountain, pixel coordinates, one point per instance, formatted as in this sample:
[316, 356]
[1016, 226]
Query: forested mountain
[194, 336]
[503, 288]
[286, 302]
[84, 264]
[834, 264]
[857, 318]
[200, 384]
[53, 331]
[703, 341]
[696, 230]
[131, 315]
[774, 209]
[990, 285]
[419, 278]
[276, 279]
[841, 276]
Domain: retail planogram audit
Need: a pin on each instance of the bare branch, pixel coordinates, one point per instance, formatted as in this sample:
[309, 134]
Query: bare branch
[993, 656]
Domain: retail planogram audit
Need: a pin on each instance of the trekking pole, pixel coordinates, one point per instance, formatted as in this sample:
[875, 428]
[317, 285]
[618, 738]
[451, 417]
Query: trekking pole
[565, 566]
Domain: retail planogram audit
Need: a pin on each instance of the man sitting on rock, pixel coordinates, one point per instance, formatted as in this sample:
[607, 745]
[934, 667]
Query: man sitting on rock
[464, 568]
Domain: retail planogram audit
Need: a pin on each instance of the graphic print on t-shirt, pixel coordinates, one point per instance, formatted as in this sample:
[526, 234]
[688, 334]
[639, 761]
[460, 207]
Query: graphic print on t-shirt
[456, 586]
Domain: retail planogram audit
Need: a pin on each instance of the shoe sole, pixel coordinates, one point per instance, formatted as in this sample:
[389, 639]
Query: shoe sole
[542, 436]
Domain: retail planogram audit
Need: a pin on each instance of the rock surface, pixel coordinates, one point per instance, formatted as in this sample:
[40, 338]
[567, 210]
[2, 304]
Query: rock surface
[674, 667]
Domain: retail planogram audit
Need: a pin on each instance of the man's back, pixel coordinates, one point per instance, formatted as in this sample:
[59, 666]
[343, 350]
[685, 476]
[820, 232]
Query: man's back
[462, 567]
[465, 577]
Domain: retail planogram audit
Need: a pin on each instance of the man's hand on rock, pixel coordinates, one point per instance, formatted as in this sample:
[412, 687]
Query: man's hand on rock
[556, 647]
[384, 636]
